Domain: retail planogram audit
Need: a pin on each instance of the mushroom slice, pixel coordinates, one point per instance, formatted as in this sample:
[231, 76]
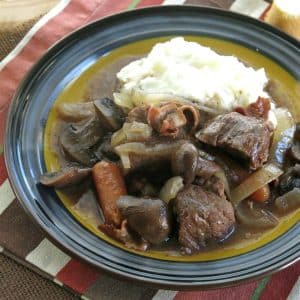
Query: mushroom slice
[111, 116]
[65, 177]
[295, 151]
[75, 112]
[147, 217]
[136, 155]
[184, 162]
[290, 179]
[77, 141]
[289, 201]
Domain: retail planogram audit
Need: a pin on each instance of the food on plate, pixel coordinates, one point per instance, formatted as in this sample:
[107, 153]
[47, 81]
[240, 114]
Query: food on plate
[189, 71]
[285, 14]
[193, 151]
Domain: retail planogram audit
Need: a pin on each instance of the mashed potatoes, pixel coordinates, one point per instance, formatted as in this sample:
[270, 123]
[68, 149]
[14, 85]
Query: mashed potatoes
[189, 70]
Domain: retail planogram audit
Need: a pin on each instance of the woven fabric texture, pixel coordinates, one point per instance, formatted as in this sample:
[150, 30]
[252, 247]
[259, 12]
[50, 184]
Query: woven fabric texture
[18, 282]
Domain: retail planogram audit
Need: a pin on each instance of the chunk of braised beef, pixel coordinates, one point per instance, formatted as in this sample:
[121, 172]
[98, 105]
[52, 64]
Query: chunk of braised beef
[206, 168]
[212, 184]
[248, 138]
[203, 217]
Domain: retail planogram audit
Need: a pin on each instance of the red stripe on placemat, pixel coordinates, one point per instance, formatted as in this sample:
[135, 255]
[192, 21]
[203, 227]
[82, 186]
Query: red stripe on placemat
[75, 14]
[78, 276]
[281, 283]
[145, 3]
[235, 293]
[109, 7]
[3, 172]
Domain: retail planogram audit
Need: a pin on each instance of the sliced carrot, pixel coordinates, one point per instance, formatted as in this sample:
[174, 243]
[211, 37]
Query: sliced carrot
[110, 185]
[261, 195]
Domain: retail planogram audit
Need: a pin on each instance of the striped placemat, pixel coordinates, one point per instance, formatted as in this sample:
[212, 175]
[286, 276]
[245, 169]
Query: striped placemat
[23, 241]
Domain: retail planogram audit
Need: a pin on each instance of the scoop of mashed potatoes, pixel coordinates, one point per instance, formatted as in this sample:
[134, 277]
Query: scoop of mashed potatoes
[193, 72]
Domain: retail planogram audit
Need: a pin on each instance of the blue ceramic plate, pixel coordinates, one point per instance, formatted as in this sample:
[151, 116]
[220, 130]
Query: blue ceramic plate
[247, 38]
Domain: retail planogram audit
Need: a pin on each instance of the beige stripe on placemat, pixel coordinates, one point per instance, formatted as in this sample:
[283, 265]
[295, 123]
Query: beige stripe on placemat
[164, 295]
[253, 8]
[52, 13]
[295, 292]
[18, 234]
[224, 4]
[48, 257]
[173, 2]
[7, 196]
[11, 36]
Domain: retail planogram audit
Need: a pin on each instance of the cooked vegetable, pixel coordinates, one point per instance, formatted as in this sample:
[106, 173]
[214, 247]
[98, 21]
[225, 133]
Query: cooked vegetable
[124, 236]
[255, 216]
[131, 132]
[283, 135]
[138, 97]
[110, 185]
[297, 132]
[105, 150]
[290, 179]
[65, 177]
[74, 112]
[78, 139]
[184, 162]
[110, 114]
[259, 109]
[171, 188]
[255, 181]
[153, 158]
[167, 119]
[261, 195]
[289, 201]
[193, 117]
[158, 152]
[147, 217]
[295, 148]
[221, 175]
[295, 151]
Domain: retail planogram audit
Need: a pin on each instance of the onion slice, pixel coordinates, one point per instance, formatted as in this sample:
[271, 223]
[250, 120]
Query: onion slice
[136, 97]
[289, 201]
[255, 217]
[171, 188]
[283, 135]
[254, 182]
